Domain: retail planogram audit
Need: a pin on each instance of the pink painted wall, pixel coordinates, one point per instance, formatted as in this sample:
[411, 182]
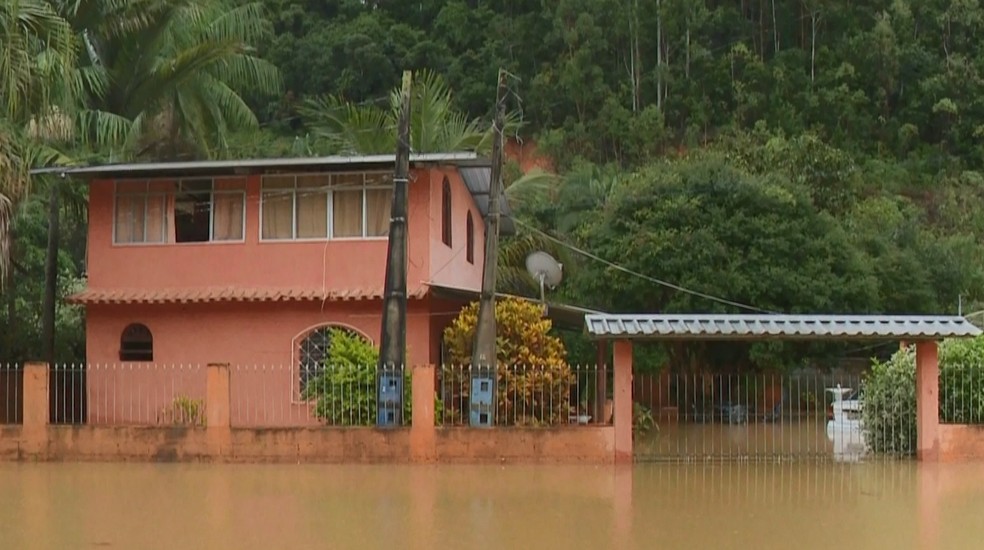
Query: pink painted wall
[328, 264]
[258, 340]
[243, 333]
[448, 265]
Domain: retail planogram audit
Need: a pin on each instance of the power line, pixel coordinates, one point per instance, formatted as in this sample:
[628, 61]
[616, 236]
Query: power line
[642, 275]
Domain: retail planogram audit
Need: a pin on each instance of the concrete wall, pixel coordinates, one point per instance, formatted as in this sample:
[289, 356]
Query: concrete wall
[219, 441]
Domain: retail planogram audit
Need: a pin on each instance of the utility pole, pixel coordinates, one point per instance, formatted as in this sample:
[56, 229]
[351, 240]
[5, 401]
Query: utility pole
[393, 345]
[484, 363]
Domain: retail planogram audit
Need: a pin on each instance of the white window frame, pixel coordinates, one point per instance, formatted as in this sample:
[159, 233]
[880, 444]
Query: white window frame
[169, 202]
[330, 192]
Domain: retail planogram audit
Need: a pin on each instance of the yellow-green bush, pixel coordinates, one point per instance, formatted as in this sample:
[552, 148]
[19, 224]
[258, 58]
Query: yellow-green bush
[534, 379]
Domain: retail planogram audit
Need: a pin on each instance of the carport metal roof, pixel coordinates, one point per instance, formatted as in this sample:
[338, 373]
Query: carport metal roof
[776, 327]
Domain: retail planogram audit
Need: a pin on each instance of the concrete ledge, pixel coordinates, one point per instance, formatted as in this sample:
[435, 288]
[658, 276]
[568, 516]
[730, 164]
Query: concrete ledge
[591, 444]
[960, 442]
[316, 445]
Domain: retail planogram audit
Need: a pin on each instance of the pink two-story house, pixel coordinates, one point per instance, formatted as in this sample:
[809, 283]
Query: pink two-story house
[248, 262]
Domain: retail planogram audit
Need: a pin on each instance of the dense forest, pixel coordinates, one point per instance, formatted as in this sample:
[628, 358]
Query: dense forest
[710, 155]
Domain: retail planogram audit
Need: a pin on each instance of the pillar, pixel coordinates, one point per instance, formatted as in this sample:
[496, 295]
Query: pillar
[927, 401]
[36, 408]
[217, 407]
[423, 434]
[622, 393]
[601, 386]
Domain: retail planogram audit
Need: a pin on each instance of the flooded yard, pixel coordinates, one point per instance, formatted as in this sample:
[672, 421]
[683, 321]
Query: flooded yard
[722, 505]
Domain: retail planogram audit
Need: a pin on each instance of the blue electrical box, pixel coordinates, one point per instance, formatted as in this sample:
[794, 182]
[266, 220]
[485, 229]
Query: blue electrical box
[482, 399]
[389, 399]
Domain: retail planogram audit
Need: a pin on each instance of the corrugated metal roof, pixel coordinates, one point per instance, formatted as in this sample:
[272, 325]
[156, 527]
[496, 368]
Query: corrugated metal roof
[776, 327]
[245, 165]
[227, 294]
[478, 180]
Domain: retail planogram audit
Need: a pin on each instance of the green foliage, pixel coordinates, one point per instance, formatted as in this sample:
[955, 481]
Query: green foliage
[435, 125]
[534, 379]
[184, 411]
[642, 419]
[889, 412]
[346, 389]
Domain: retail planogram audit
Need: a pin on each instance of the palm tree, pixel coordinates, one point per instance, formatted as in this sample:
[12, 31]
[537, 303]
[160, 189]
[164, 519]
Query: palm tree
[166, 78]
[435, 125]
[37, 63]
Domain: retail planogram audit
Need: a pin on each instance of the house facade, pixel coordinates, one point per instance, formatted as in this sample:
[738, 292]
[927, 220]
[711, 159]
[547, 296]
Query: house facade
[251, 262]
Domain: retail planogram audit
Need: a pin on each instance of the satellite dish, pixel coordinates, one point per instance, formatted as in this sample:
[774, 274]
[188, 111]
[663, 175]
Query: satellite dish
[545, 269]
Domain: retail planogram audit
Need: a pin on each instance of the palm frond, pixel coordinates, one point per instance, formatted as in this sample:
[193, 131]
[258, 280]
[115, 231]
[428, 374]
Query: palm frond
[534, 186]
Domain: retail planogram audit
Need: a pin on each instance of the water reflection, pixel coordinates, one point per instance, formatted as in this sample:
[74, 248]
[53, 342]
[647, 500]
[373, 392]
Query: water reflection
[758, 505]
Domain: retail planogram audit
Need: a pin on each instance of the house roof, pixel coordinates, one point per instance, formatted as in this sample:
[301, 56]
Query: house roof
[775, 327]
[475, 171]
[478, 180]
[247, 166]
[227, 294]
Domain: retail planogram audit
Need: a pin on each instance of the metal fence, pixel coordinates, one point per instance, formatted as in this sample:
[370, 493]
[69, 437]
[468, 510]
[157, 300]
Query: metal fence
[962, 394]
[524, 395]
[339, 395]
[709, 416]
[11, 393]
[127, 394]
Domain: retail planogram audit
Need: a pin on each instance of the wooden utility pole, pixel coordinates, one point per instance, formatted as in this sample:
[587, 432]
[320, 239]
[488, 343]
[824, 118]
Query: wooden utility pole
[484, 352]
[393, 344]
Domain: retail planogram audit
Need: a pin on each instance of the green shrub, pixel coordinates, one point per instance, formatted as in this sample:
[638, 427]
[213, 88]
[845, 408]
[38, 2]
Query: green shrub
[642, 419]
[346, 389]
[184, 411]
[889, 412]
[534, 380]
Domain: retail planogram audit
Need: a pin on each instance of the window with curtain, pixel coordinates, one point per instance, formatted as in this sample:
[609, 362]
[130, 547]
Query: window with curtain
[446, 212]
[189, 210]
[320, 206]
[228, 209]
[470, 238]
[138, 212]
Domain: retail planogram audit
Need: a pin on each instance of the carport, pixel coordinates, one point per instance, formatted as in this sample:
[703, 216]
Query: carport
[923, 331]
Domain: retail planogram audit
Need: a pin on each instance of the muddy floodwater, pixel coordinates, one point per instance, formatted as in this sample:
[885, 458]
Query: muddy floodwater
[799, 505]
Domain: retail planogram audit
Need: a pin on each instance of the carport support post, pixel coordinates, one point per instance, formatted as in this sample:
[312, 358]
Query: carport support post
[601, 382]
[927, 401]
[622, 392]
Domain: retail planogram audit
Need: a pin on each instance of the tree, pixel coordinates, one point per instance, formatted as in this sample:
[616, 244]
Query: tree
[435, 125]
[534, 379]
[753, 242]
[167, 78]
[36, 78]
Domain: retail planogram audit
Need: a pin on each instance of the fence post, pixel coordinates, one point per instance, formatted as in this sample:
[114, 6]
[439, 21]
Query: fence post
[217, 400]
[622, 392]
[423, 434]
[36, 407]
[927, 401]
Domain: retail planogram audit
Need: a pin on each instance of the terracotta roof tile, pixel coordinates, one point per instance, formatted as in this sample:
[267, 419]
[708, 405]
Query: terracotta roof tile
[227, 294]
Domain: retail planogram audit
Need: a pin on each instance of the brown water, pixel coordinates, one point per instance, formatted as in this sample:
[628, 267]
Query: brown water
[183, 506]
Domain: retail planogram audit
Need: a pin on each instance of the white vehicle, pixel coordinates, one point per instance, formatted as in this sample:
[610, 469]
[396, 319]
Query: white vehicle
[844, 425]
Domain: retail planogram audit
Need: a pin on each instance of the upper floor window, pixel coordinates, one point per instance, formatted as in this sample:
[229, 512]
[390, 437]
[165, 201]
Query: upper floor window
[321, 206]
[470, 238]
[446, 212]
[187, 210]
[136, 343]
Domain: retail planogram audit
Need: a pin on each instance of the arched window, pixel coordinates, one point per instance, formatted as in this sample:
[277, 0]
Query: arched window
[470, 238]
[314, 352]
[136, 343]
[446, 213]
